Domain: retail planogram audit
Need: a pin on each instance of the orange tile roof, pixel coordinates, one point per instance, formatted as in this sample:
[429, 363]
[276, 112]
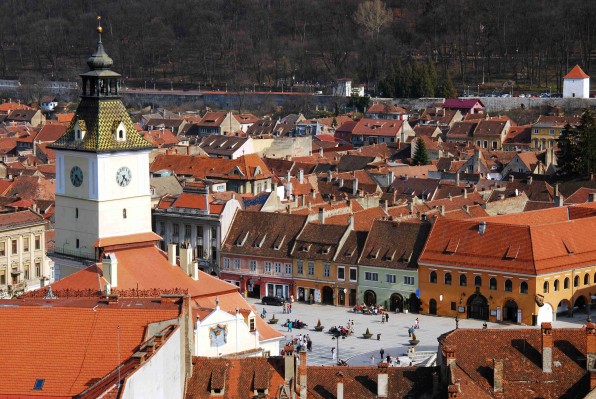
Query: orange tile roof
[21, 218]
[127, 239]
[50, 133]
[4, 185]
[378, 127]
[11, 106]
[70, 345]
[65, 118]
[576, 73]
[146, 268]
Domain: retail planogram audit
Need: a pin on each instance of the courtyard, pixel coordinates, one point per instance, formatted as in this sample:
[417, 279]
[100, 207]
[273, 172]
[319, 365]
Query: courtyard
[356, 350]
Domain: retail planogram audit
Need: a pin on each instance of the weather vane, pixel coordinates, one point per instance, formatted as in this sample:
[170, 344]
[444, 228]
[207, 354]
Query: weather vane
[99, 28]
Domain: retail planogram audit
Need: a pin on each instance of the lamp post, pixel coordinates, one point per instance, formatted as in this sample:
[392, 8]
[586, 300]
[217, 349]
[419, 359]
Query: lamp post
[336, 336]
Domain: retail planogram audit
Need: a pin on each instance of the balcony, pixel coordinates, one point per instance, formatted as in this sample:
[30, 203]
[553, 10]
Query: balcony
[72, 253]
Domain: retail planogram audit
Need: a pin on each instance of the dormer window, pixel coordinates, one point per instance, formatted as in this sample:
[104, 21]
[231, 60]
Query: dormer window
[120, 132]
[79, 130]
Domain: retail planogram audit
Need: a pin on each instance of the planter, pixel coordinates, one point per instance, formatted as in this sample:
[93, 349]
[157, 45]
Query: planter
[273, 321]
[366, 336]
[319, 328]
[414, 342]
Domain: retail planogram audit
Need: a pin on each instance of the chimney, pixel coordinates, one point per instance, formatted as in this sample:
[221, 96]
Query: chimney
[289, 364]
[382, 384]
[511, 178]
[321, 215]
[313, 193]
[172, 254]
[288, 176]
[547, 347]
[301, 176]
[449, 355]
[457, 178]
[195, 271]
[321, 151]
[497, 376]
[341, 183]
[391, 177]
[355, 186]
[530, 179]
[465, 193]
[340, 385]
[329, 176]
[302, 375]
[557, 190]
[351, 222]
[558, 199]
[110, 269]
[186, 258]
[592, 197]
[386, 206]
[442, 210]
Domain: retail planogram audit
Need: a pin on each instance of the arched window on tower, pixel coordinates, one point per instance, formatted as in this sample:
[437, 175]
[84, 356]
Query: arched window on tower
[124, 213]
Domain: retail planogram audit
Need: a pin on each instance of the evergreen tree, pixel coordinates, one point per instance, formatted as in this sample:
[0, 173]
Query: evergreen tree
[447, 90]
[420, 155]
[576, 153]
[432, 78]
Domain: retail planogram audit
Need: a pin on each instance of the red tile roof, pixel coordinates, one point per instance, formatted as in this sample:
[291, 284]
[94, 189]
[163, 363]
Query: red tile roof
[576, 73]
[21, 218]
[70, 345]
[65, 118]
[11, 106]
[160, 138]
[458, 103]
[127, 239]
[378, 127]
[50, 133]
[32, 187]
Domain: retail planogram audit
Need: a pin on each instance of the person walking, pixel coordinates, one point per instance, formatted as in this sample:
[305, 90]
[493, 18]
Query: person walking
[417, 323]
[410, 331]
[387, 317]
[382, 318]
[289, 326]
[372, 360]
[333, 353]
[382, 352]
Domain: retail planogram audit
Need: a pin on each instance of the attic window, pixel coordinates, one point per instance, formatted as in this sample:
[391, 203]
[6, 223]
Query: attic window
[278, 243]
[389, 256]
[326, 250]
[374, 254]
[120, 132]
[452, 246]
[305, 248]
[350, 252]
[512, 252]
[241, 239]
[39, 384]
[258, 243]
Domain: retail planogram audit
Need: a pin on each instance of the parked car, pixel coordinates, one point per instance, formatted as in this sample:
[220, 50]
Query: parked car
[273, 300]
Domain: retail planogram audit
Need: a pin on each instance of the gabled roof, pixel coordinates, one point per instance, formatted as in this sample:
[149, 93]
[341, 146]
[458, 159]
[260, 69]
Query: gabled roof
[80, 340]
[520, 350]
[217, 144]
[263, 234]
[160, 138]
[462, 129]
[379, 108]
[34, 187]
[378, 127]
[542, 238]
[213, 119]
[459, 103]
[576, 73]
[318, 241]
[22, 115]
[246, 118]
[394, 244]
[18, 219]
[50, 133]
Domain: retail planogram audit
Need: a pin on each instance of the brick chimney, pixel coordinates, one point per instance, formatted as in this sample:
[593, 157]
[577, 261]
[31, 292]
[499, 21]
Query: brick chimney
[449, 355]
[289, 364]
[301, 176]
[186, 258]
[547, 347]
[302, 387]
[321, 215]
[497, 376]
[355, 186]
[457, 178]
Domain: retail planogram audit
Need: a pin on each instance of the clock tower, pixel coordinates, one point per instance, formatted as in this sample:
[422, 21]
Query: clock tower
[102, 168]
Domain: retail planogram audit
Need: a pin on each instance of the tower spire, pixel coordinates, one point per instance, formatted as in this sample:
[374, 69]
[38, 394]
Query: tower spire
[99, 28]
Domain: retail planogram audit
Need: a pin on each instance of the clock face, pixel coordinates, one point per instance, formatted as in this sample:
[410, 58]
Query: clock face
[123, 176]
[76, 176]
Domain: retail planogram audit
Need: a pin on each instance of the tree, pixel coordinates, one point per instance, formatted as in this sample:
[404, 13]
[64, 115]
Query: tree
[576, 153]
[420, 154]
[446, 90]
[372, 16]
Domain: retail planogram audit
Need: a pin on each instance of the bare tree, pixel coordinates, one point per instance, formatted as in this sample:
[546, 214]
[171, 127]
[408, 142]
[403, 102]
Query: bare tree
[372, 16]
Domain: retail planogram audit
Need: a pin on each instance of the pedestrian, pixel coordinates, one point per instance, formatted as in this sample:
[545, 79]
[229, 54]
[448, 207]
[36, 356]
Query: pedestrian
[285, 309]
[290, 307]
[382, 318]
[382, 352]
[387, 317]
[410, 331]
[333, 353]
[416, 323]
[389, 359]
[372, 360]
[289, 326]
[309, 345]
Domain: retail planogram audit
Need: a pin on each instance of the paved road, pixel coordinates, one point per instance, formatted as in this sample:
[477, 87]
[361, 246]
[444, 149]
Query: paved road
[357, 350]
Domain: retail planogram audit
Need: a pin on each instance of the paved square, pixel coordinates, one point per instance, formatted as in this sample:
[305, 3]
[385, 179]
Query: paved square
[394, 334]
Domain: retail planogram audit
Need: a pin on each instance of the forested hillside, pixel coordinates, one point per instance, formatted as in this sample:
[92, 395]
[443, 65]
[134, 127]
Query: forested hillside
[249, 44]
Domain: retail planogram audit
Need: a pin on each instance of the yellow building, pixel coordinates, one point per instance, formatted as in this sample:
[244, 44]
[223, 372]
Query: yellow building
[23, 262]
[315, 255]
[522, 268]
[547, 129]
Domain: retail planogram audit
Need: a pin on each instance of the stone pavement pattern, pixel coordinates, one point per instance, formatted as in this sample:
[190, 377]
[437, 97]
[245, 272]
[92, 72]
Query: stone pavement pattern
[394, 334]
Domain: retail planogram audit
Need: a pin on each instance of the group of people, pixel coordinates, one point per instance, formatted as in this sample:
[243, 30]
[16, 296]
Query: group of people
[294, 324]
[287, 308]
[413, 329]
[303, 341]
[370, 310]
[389, 359]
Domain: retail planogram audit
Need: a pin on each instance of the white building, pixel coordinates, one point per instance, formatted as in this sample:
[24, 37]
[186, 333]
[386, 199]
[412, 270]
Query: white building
[576, 84]
[343, 87]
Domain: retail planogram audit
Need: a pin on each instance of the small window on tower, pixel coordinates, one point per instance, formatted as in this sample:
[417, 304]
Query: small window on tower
[77, 243]
[76, 213]
[124, 213]
[120, 132]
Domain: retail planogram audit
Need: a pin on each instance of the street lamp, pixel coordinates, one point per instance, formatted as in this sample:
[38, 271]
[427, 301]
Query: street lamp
[336, 336]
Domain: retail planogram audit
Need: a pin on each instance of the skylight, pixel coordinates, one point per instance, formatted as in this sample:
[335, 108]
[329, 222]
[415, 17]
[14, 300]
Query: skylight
[39, 384]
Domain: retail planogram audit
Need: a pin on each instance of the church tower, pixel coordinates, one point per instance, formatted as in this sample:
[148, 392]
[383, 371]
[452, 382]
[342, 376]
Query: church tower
[102, 169]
